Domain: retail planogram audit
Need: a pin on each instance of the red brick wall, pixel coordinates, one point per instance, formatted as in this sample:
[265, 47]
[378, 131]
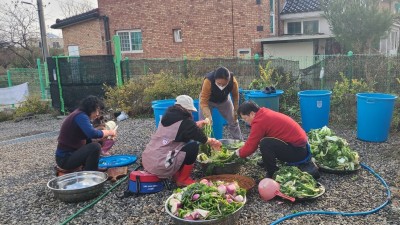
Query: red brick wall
[206, 25]
[89, 36]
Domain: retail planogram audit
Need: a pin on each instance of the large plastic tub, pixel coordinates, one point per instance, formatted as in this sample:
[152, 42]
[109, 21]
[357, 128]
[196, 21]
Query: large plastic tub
[270, 101]
[314, 108]
[159, 110]
[163, 101]
[196, 114]
[374, 115]
[218, 123]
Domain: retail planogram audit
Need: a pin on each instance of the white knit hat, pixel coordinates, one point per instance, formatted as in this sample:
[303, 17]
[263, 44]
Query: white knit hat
[186, 102]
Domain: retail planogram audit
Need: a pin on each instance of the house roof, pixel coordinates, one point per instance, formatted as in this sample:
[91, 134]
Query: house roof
[92, 14]
[294, 38]
[300, 6]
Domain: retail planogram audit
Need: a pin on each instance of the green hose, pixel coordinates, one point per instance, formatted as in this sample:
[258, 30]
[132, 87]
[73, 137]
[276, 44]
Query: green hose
[95, 201]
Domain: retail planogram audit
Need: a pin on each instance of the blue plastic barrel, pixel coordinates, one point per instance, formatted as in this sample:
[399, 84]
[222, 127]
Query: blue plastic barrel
[159, 110]
[270, 101]
[196, 114]
[374, 115]
[242, 94]
[314, 108]
[218, 123]
[163, 101]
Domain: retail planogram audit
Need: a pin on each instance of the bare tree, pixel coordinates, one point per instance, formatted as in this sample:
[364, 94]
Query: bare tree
[74, 7]
[19, 31]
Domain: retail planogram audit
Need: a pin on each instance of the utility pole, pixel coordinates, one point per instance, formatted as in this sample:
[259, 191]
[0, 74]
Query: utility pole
[42, 25]
[43, 34]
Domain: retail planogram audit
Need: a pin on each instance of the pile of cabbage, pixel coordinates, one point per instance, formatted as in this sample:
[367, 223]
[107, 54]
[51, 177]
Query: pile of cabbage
[332, 151]
[207, 200]
[296, 183]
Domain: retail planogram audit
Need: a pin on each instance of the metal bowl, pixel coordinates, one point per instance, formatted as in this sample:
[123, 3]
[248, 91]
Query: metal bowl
[78, 186]
[230, 219]
[228, 142]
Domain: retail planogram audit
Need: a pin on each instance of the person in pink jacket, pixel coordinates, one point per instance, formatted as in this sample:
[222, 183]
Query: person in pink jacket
[278, 136]
[173, 149]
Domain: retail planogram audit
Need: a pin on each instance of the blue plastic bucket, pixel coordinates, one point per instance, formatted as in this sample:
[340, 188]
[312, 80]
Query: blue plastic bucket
[163, 101]
[270, 101]
[196, 114]
[218, 123]
[242, 95]
[314, 108]
[159, 110]
[374, 115]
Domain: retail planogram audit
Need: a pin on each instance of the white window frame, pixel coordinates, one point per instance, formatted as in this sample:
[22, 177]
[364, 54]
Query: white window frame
[177, 35]
[302, 25]
[130, 40]
[272, 13]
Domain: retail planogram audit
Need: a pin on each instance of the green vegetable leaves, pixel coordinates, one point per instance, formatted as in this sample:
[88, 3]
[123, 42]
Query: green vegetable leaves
[296, 183]
[332, 151]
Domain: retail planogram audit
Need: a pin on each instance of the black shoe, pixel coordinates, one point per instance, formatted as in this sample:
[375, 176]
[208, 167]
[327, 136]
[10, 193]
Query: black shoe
[267, 90]
[261, 163]
[310, 168]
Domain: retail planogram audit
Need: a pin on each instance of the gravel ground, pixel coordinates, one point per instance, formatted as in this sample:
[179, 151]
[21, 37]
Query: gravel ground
[27, 166]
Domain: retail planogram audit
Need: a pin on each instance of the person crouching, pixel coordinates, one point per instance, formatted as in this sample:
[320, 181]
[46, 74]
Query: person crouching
[173, 148]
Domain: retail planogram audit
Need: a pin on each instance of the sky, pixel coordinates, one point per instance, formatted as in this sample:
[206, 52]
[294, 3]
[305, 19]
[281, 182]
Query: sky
[52, 11]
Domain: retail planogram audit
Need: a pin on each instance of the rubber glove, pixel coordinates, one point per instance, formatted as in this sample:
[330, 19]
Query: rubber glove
[237, 152]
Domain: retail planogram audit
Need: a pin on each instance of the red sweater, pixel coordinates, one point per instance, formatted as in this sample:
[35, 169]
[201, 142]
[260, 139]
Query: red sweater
[268, 123]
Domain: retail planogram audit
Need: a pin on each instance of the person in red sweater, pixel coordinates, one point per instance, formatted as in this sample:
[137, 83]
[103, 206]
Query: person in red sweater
[279, 137]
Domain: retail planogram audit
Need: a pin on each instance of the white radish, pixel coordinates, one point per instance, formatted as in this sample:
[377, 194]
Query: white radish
[221, 189]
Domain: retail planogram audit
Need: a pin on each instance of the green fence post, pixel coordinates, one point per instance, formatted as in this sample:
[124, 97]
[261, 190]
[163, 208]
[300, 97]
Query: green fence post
[257, 64]
[9, 78]
[128, 75]
[185, 66]
[42, 90]
[9, 82]
[389, 71]
[322, 73]
[350, 55]
[46, 74]
[117, 59]
[59, 86]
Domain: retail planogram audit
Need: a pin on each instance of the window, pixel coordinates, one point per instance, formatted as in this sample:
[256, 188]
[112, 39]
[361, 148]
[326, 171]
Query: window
[271, 16]
[131, 41]
[177, 35]
[310, 27]
[294, 27]
[56, 44]
[73, 50]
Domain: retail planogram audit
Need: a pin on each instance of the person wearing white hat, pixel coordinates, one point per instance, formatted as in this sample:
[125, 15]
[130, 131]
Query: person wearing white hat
[173, 149]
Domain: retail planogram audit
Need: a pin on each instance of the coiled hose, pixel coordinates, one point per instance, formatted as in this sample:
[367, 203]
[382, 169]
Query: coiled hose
[362, 213]
[276, 221]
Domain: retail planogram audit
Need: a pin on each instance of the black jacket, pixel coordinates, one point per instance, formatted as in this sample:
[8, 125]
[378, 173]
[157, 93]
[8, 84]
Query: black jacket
[188, 130]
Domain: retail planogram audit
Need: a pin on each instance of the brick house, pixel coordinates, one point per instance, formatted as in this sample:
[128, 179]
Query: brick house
[171, 28]
[207, 28]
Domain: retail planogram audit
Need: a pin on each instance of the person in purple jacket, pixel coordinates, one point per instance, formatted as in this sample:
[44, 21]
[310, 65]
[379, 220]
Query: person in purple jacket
[75, 147]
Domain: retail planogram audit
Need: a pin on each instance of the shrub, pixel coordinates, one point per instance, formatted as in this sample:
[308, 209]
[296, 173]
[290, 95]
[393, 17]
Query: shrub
[32, 105]
[343, 101]
[130, 96]
[6, 115]
[135, 96]
[166, 85]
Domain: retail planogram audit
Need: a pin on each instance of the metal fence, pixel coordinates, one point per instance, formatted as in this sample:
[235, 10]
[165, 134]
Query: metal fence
[74, 78]
[37, 79]
[377, 70]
